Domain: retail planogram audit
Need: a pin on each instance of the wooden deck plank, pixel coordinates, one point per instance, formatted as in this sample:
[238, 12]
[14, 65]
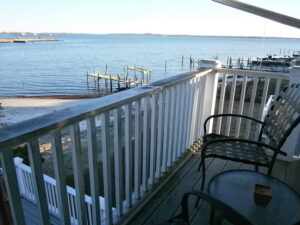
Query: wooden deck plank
[202, 216]
[32, 216]
[216, 167]
[169, 206]
[149, 209]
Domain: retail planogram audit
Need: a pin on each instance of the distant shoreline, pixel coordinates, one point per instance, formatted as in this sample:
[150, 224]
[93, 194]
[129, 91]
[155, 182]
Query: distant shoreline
[157, 34]
[25, 40]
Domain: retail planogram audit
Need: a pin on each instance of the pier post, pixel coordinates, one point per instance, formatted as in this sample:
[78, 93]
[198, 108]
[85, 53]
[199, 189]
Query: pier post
[182, 60]
[129, 83]
[165, 66]
[110, 83]
[230, 62]
[106, 85]
[118, 81]
[98, 82]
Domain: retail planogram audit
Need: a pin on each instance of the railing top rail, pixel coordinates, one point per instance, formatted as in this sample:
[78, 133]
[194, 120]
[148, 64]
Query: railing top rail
[253, 73]
[19, 133]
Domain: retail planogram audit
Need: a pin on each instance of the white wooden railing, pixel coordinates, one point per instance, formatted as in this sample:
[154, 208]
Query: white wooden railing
[140, 133]
[259, 85]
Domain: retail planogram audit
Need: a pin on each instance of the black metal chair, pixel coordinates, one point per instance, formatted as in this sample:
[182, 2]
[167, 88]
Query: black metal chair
[219, 211]
[282, 117]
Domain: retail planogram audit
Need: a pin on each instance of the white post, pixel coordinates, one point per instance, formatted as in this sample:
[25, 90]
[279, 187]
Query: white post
[209, 93]
[19, 161]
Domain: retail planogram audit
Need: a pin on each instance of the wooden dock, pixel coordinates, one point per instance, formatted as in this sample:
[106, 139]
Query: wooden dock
[123, 81]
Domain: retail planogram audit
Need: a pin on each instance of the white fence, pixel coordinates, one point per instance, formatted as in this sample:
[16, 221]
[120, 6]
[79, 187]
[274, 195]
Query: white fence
[26, 188]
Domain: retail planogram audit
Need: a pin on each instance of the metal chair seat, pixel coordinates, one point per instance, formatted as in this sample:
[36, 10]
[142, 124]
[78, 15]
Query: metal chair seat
[240, 152]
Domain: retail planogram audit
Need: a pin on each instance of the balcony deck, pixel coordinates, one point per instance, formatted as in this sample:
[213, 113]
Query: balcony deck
[166, 203]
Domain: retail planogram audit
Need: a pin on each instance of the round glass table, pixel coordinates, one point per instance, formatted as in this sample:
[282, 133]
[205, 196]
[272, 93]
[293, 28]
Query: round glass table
[236, 189]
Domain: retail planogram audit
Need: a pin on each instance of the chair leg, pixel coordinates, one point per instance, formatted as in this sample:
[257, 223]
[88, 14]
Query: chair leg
[200, 165]
[270, 171]
[203, 173]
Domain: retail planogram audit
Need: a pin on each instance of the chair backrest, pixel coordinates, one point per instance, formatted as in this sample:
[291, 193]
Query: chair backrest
[223, 210]
[283, 116]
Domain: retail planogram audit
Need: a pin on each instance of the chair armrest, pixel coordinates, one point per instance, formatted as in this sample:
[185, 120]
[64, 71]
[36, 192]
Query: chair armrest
[232, 115]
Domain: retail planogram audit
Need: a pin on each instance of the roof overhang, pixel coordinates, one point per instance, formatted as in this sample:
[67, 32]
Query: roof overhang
[278, 17]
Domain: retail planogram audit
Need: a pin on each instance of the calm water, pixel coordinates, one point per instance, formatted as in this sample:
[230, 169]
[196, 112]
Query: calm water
[50, 68]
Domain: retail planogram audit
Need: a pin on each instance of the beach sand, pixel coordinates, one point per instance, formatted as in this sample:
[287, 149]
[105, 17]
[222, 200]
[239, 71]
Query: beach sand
[15, 110]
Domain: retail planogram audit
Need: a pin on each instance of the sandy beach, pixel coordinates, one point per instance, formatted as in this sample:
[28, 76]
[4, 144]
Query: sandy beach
[15, 110]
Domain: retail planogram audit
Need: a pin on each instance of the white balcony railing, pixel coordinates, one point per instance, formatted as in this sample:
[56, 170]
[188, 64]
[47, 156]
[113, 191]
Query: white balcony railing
[137, 135]
[26, 188]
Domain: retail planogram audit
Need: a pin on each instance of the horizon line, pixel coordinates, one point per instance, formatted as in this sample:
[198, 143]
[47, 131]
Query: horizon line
[150, 34]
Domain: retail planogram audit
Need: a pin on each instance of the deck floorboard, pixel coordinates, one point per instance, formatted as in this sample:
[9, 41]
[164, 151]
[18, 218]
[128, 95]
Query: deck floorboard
[169, 206]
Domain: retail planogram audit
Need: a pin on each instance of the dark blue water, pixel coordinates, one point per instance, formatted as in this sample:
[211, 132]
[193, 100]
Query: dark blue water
[51, 68]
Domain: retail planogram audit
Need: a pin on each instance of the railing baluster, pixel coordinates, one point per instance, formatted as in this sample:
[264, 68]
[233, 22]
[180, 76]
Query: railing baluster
[128, 154]
[198, 109]
[180, 121]
[106, 167]
[264, 98]
[194, 109]
[137, 150]
[201, 108]
[93, 169]
[166, 107]
[78, 173]
[38, 181]
[251, 107]
[241, 106]
[153, 140]
[118, 161]
[231, 102]
[185, 116]
[73, 214]
[11, 184]
[171, 125]
[159, 134]
[176, 122]
[189, 114]
[262, 105]
[58, 166]
[146, 143]
[278, 84]
[221, 103]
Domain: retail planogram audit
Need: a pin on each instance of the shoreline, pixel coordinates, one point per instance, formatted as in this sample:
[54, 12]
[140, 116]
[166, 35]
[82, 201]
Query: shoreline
[65, 96]
[25, 40]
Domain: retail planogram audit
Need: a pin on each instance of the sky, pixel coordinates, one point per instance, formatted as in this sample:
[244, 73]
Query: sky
[192, 17]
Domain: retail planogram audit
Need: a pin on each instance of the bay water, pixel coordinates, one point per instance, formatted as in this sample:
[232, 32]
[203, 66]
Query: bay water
[60, 67]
